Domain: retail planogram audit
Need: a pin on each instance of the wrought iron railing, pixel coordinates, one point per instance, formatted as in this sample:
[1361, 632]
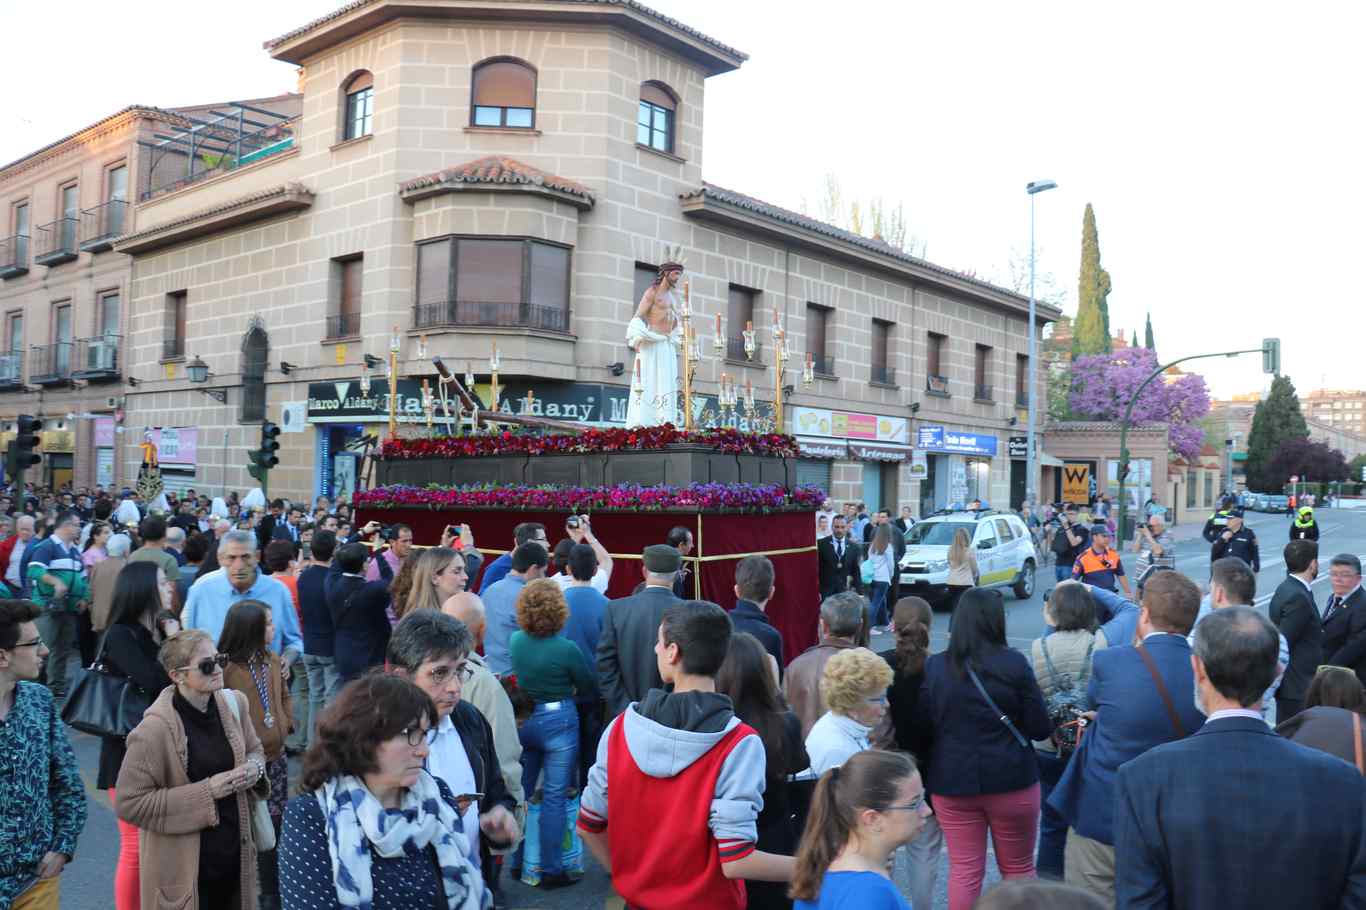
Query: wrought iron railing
[482, 313]
[13, 256]
[56, 242]
[100, 225]
[884, 375]
[343, 325]
[12, 369]
[98, 357]
[936, 384]
[50, 362]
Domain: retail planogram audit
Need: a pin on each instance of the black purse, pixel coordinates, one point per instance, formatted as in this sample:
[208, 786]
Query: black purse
[103, 703]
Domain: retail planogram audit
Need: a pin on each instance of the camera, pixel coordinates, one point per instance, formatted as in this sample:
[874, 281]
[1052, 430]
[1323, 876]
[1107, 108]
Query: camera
[454, 530]
[388, 534]
[572, 521]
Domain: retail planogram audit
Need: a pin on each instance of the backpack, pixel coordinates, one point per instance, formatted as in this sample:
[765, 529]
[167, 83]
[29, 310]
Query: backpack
[1067, 703]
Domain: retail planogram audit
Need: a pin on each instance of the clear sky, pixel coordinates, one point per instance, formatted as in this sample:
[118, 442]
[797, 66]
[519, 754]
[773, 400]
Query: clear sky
[1220, 144]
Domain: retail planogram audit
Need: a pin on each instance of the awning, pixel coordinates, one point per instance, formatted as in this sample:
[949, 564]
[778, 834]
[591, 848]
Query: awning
[1049, 461]
[822, 448]
[879, 451]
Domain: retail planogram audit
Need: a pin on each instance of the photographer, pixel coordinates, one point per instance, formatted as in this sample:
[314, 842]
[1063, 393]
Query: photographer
[1099, 565]
[1070, 540]
[388, 559]
[1156, 547]
[579, 531]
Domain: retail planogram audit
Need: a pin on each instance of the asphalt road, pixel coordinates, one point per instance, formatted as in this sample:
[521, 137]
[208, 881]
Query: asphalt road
[87, 883]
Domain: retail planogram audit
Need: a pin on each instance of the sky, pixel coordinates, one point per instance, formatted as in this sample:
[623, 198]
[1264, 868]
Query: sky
[1220, 144]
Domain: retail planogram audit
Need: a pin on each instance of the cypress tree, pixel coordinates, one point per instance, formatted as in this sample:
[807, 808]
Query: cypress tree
[1148, 335]
[1092, 329]
[1133, 343]
[1277, 418]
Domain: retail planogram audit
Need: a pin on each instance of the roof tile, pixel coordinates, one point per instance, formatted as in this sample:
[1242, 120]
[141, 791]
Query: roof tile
[497, 169]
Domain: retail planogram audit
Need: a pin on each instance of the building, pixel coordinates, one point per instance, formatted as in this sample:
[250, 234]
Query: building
[462, 178]
[1340, 409]
[1334, 418]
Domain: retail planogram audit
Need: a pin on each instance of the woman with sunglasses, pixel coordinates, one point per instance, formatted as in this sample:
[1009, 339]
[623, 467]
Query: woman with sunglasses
[258, 674]
[854, 685]
[370, 826]
[860, 813]
[185, 780]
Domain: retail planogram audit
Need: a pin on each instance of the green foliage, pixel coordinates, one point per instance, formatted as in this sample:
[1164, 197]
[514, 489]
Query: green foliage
[1148, 335]
[1278, 418]
[1092, 330]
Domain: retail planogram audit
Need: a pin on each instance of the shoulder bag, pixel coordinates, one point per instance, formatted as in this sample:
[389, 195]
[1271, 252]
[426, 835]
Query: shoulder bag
[1162, 691]
[103, 703]
[1001, 715]
[262, 830]
[1067, 704]
[1356, 741]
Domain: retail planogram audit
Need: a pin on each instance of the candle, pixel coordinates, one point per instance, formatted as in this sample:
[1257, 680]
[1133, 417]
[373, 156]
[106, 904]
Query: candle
[809, 359]
[687, 291]
[637, 368]
[718, 325]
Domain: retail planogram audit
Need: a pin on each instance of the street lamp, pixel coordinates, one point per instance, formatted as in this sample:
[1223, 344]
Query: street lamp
[1032, 464]
[198, 371]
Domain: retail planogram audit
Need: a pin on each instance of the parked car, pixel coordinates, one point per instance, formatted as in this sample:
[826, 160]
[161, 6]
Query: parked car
[1005, 554]
[1277, 503]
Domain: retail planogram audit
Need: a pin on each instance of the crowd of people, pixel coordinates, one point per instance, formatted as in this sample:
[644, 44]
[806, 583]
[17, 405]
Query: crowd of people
[456, 722]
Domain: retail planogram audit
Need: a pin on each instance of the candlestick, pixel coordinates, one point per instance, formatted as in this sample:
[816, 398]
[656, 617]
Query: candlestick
[365, 383]
[395, 341]
[687, 291]
[637, 387]
[750, 346]
[422, 347]
[469, 378]
[428, 403]
[495, 363]
[809, 370]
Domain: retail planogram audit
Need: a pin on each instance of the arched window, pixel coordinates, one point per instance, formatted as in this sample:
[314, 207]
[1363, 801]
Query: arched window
[504, 94]
[655, 121]
[358, 111]
[255, 355]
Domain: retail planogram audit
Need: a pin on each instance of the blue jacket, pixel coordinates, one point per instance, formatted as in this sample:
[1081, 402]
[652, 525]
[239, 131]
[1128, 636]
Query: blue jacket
[360, 622]
[1235, 816]
[1130, 720]
[1122, 625]
[317, 630]
[747, 617]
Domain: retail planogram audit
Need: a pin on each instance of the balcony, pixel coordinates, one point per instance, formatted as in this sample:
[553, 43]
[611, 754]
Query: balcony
[14, 256]
[173, 348]
[97, 359]
[100, 225]
[982, 393]
[222, 140]
[56, 242]
[495, 315]
[12, 370]
[883, 375]
[937, 385]
[822, 366]
[50, 364]
[343, 325]
[735, 350]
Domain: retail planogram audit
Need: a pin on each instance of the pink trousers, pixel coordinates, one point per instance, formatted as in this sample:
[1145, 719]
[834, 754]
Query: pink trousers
[1013, 819]
[127, 893]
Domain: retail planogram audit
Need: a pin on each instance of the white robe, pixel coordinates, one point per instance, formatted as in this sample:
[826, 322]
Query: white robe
[658, 358]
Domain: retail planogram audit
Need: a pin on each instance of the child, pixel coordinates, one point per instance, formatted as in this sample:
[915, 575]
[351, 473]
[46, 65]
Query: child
[687, 779]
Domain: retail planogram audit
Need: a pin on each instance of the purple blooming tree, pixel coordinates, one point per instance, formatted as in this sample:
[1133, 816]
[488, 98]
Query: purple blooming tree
[1102, 385]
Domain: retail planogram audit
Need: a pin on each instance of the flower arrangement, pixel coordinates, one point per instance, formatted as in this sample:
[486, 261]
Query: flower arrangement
[698, 497]
[722, 439]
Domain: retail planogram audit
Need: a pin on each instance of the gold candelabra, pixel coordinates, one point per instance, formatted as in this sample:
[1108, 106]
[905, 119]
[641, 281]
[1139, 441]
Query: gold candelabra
[495, 364]
[395, 345]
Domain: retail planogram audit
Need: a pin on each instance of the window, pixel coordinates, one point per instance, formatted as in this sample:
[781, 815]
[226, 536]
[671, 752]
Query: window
[493, 281]
[655, 120]
[255, 354]
[1021, 379]
[357, 118]
[61, 338]
[71, 211]
[982, 373]
[504, 94]
[817, 332]
[645, 276]
[15, 332]
[1190, 488]
[107, 314]
[116, 199]
[344, 322]
[174, 337]
[935, 380]
[21, 234]
[739, 316]
[1209, 488]
[881, 352]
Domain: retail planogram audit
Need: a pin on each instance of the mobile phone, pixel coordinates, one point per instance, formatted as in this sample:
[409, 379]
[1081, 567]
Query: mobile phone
[454, 530]
[469, 797]
[572, 521]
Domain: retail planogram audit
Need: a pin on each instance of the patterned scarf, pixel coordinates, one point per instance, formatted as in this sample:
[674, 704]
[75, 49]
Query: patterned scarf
[356, 822]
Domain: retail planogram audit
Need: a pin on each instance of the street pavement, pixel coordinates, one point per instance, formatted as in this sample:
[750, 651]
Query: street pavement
[87, 883]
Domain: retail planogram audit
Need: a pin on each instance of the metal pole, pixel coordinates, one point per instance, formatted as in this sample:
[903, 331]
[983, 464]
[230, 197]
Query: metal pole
[1032, 463]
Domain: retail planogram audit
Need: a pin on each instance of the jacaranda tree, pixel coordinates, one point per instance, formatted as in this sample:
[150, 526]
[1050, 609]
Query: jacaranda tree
[1103, 384]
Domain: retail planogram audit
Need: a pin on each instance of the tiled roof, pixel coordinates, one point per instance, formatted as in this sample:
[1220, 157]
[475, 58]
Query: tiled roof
[876, 245]
[628, 4]
[496, 169]
[143, 109]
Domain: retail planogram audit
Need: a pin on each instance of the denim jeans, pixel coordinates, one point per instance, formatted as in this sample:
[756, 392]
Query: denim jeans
[877, 602]
[300, 697]
[323, 683]
[1052, 826]
[1062, 572]
[550, 741]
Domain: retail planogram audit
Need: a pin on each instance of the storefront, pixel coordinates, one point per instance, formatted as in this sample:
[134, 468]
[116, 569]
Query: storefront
[867, 452]
[58, 447]
[958, 468]
[105, 435]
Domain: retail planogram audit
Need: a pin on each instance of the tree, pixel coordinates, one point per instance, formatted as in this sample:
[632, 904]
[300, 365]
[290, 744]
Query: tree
[875, 219]
[1102, 385]
[1148, 335]
[1092, 335]
[1310, 461]
[1134, 342]
[1354, 468]
[1276, 419]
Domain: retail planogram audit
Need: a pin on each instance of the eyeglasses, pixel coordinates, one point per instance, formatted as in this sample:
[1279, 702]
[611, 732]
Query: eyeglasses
[416, 736]
[206, 666]
[877, 700]
[36, 643]
[440, 674]
[1346, 574]
[913, 806]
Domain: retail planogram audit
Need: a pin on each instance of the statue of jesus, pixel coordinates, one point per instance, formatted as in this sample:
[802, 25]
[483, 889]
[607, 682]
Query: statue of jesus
[655, 335]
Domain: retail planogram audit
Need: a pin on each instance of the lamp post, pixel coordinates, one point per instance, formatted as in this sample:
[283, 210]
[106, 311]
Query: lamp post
[1032, 464]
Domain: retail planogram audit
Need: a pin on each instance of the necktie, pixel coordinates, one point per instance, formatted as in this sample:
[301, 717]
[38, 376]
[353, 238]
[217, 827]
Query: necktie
[839, 550]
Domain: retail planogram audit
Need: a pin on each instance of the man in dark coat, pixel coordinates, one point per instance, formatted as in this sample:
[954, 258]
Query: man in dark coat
[1294, 613]
[626, 645]
[1344, 616]
[753, 590]
[839, 559]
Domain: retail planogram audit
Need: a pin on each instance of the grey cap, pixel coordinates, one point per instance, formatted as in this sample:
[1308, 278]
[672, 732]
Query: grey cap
[661, 559]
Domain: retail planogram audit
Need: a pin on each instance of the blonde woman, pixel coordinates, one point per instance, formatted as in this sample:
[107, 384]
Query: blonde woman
[854, 685]
[963, 572]
[438, 575]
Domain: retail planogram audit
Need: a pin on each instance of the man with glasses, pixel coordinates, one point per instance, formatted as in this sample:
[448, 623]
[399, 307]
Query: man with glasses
[1156, 547]
[56, 573]
[1344, 616]
[42, 802]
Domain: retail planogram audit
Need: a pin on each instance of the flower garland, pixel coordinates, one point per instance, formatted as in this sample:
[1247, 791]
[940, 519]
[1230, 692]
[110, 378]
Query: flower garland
[592, 441]
[697, 497]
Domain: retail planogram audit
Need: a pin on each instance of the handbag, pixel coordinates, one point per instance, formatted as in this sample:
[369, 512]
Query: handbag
[103, 703]
[867, 571]
[262, 830]
[1019, 737]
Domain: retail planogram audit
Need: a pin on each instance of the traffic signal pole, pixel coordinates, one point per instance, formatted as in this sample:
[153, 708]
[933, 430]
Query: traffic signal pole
[264, 458]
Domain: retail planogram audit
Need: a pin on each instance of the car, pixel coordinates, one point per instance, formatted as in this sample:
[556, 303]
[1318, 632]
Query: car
[1006, 556]
[1277, 503]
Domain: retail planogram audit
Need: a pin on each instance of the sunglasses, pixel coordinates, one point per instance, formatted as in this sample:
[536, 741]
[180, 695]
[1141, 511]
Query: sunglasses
[206, 666]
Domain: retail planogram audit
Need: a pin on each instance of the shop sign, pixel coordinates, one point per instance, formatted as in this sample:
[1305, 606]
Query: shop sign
[1076, 482]
[343, 402]
[57, 442]
[1018, 446]
[872, 452]
[849, 425]
[104, 432]
[576, 402]
[920, 466]
[822, 448]
[939, 439]
[177, 445]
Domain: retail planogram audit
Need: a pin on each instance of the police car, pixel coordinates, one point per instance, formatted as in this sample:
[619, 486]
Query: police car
[1005, 553]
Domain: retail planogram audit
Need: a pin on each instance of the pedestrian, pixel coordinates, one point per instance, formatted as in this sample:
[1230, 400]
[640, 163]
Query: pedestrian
[854, 686]
[881, 555]
[94, 552]
[842, 618]
[745, 679]
[1344, 616]
[359, 610]
[1062, 667]
[581, 533]
[42, 802]
[1232, 584]
[911, 623]
[1293, 611]
[680, 538]
[152, 533]
[1218, 520]
[980, 707]
[212, 597]
[839, 557]
[860, 814]
[524, 533]
[12, 550]
[318, 634]
[1099, 564]
[103, 580]
[963, 571]
[681, 755]
[1070, 540]
[184, 785]
[529, 563]
[1156, 547]
[1331, 719]
[1304, 527]
[370, 826]
[587, 604]
[1195, 820]
[56, 574]
[553, 672]
[1237, 539]
[754, 587]
[627, 666]
[438, 575]
[196, 549]
[826, 512]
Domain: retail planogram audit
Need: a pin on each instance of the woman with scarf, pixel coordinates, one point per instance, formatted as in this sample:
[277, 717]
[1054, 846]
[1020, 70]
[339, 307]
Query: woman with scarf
[371, 828]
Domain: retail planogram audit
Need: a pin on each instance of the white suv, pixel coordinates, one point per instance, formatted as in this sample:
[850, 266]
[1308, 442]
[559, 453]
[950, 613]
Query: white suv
[1005, 553]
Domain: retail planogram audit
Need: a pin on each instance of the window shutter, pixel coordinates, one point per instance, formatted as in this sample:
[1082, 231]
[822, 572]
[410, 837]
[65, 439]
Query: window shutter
[360, 81]
[350, 287]
[654, 94]
[504, 84]
[433, 272]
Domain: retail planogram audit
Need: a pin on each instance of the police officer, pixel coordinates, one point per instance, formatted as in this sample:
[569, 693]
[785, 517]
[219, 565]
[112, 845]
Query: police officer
[1237, 540]
[1219, 520]
[1304, 527]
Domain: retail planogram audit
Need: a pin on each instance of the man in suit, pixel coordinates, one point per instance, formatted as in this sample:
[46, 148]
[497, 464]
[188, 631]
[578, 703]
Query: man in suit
[753, 590]
[291, 527]
[680, 538]
[1344, 616]
[1293, 611]
[1140, 702]
[626, 644]
[839, 558]
[1197, 820]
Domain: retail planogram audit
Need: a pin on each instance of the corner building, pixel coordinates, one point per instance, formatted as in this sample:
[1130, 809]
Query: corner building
[471, 175]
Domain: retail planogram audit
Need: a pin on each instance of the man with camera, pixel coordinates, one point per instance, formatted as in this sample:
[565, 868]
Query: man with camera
[398, 539]
[1099, 565]
[1070, 540]
[1155, 548]
[580, 531]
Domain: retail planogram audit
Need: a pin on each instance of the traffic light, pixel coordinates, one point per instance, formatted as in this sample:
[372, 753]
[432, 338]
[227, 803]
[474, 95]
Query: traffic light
[264, 458]
[1271, 356]
[21, 455]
